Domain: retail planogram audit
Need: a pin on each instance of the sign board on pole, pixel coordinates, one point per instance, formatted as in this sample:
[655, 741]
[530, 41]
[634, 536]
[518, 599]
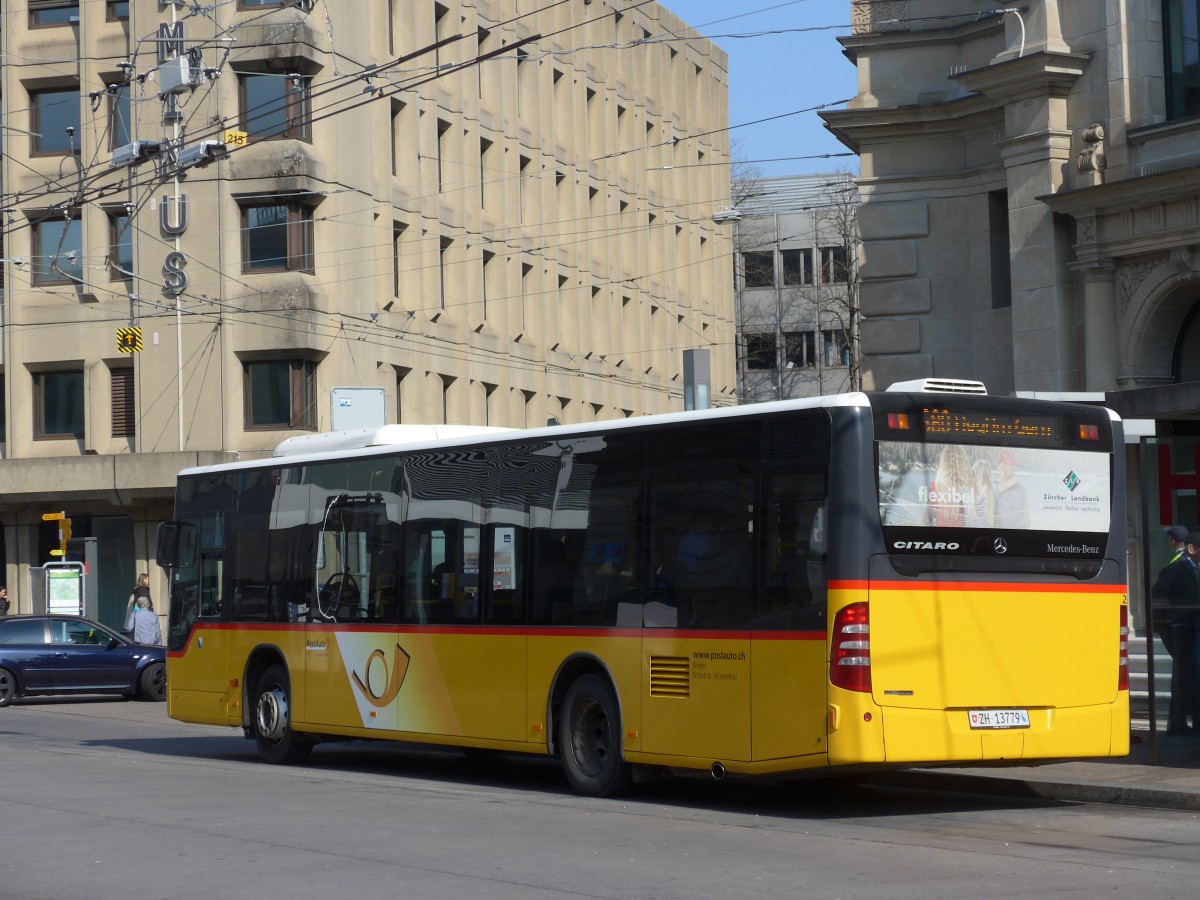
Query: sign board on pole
[64, 592]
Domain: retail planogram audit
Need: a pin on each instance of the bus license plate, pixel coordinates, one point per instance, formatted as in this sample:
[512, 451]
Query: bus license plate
[998, 718]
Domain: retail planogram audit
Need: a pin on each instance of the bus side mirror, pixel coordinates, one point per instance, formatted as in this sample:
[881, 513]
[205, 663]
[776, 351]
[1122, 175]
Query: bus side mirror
[176, 545]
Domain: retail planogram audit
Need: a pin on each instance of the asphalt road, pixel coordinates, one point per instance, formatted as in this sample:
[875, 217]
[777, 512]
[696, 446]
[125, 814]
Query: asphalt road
[108, 799]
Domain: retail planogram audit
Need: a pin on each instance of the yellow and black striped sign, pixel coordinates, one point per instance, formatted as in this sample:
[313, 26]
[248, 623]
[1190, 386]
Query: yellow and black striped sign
[129, 340]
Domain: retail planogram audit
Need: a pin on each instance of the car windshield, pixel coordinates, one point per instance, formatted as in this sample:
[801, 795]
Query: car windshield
[72, 631]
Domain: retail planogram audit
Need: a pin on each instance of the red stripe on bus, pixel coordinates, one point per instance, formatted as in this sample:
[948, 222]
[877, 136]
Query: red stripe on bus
[531, 631]
[1000, 586]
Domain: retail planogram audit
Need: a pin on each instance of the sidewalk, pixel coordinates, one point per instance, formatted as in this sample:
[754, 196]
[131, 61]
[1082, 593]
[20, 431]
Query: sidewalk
[1131, 781]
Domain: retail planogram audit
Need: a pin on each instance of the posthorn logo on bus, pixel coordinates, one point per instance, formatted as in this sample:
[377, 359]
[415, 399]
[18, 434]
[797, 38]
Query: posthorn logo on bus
[925, 545]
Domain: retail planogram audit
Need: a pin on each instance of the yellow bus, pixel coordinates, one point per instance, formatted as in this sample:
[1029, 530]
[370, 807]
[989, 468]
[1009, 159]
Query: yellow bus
[863, 580]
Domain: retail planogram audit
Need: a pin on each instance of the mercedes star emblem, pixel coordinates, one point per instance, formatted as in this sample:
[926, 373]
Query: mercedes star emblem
[1000, 545]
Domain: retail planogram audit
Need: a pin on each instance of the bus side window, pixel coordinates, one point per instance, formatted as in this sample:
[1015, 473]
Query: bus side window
[795, 585]
[506, 592]
[554, 567]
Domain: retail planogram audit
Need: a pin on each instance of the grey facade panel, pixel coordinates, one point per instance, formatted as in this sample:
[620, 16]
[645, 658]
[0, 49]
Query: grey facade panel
[888, 259]
[896, 219]
[908, 296]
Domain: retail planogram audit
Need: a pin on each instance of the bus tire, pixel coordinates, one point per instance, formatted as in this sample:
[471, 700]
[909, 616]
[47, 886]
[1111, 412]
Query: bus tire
[589, 734]
[277, 742]
[8, 687]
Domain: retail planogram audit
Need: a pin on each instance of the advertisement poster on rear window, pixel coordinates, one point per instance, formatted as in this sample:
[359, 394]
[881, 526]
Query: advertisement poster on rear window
[971, 486]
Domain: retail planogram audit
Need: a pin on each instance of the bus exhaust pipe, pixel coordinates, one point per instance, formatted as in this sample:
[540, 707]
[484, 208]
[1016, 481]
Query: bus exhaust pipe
[718, 771]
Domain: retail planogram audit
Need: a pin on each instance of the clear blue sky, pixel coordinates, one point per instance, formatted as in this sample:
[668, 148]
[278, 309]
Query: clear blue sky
[774, 74]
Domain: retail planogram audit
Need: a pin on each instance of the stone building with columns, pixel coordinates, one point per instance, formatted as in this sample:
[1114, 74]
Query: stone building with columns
[1031, 192]
[483, 212]
[1030, 182]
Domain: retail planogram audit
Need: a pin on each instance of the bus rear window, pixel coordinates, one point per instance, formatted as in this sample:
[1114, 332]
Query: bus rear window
[979, 499]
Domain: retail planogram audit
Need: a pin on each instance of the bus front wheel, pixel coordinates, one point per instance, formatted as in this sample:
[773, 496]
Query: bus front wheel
[277, 742]
[590, 739]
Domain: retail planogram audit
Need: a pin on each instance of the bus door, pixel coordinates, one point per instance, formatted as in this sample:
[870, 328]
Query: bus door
[354, 664]
[197, 655]
[695, 641]
[788, 634]
[464, 641]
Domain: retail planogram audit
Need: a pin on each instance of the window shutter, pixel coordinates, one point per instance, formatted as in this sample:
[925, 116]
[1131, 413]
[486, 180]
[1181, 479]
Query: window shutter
[123, 421]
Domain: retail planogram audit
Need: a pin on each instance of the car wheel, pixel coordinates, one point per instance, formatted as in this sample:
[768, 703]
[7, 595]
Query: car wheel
[277, 742]
[152, 684]
[8, 687]
[590, 739]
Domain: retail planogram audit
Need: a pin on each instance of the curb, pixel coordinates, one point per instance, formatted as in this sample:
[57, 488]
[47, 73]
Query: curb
[1071, 792]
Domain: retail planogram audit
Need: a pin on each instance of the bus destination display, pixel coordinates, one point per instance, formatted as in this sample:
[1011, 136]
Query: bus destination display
[941, 423]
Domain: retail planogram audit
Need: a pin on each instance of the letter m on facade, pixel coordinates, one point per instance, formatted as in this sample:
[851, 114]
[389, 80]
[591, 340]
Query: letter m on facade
[170, 40]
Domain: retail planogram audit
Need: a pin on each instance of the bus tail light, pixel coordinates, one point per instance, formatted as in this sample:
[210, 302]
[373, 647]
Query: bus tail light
[1123, 661]
[850, 659]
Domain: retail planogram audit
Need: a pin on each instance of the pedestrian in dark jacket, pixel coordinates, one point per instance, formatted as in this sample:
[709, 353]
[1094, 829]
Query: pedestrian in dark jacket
[1176, 596]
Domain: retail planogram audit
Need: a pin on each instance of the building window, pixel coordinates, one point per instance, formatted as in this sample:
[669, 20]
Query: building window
[52, 113]
[280, 394]
[57, 251]
[397, 239]
[760, 351]
[759, 269]
[444, 246]
[797, 266]
[800, 350]
[394, 136]
[833, 265]
[53, 12]
[58, 405]
[119, 132]
[117, 10]
[277, 237]
[486, 276]
[274, 106]
[123, 413]
[836, 347]
[1181, 51]
[484, 146]
[998, 249]
[443, 128]
[120, 245]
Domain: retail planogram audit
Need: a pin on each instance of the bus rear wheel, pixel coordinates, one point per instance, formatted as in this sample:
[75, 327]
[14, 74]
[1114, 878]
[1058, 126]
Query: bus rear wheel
[590, 739]
[277, 742]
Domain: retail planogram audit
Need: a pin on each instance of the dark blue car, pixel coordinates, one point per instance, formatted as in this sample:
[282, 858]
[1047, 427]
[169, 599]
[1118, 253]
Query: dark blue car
[71, 655]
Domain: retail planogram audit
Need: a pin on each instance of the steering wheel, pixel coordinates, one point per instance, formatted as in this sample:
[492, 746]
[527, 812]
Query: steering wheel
[340, 590]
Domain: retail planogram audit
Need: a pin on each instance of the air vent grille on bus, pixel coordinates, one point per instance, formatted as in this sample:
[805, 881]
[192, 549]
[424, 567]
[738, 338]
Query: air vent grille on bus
[940, 386]
[669, 676]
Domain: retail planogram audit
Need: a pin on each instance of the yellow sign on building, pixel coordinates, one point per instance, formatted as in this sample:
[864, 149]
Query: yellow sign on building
[234, 138]
[129, 340]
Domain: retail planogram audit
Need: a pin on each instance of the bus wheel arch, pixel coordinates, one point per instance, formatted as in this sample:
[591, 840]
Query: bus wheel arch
[586, 728]
[270, 711]
[260, 659]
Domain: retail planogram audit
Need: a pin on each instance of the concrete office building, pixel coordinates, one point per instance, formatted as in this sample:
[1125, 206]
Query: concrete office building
[495, 212]
[796, 300]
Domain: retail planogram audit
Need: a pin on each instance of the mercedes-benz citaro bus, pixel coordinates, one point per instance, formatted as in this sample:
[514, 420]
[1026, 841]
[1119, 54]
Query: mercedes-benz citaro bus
[921, 576]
